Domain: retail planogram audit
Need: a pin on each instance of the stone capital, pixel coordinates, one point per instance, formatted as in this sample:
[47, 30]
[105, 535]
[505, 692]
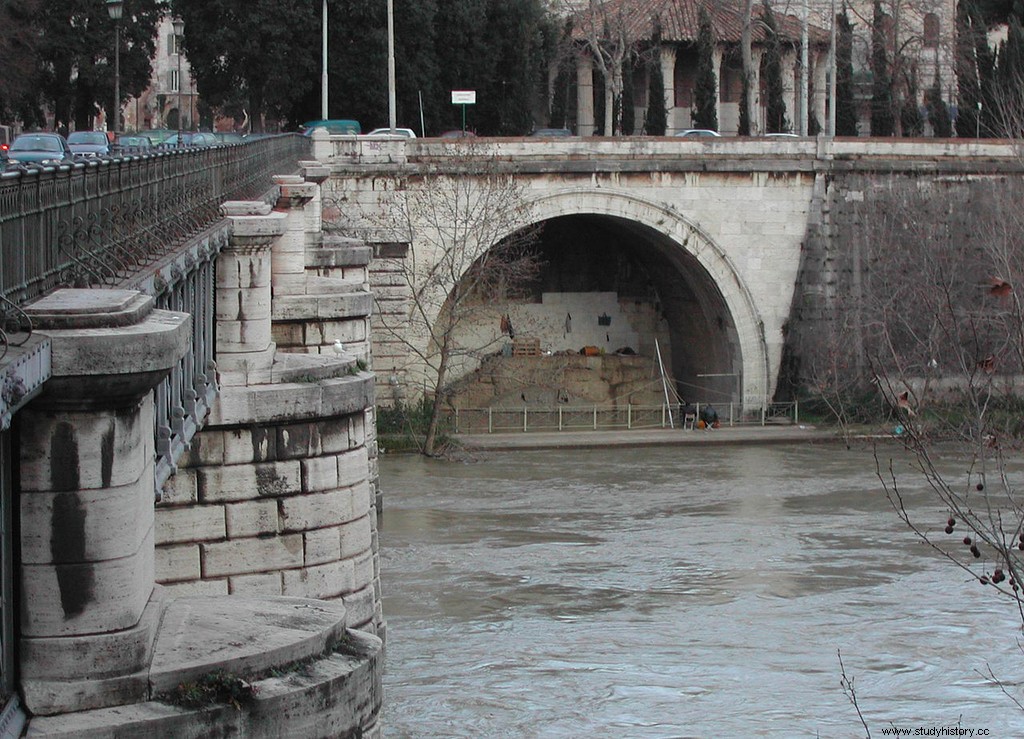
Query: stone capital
[315, 171]
[109, 347]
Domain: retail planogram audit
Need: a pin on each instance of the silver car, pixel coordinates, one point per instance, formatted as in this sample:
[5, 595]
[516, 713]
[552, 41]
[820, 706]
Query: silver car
[89, 143]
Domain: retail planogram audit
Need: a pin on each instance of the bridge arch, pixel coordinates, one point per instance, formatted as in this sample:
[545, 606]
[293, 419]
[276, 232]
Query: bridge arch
[718, 349]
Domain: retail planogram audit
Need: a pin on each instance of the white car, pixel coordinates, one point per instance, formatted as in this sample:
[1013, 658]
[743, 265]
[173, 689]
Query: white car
[698, 132]
[403, 133]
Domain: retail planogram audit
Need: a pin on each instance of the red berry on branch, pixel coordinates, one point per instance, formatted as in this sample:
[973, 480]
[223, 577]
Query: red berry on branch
[967, 540]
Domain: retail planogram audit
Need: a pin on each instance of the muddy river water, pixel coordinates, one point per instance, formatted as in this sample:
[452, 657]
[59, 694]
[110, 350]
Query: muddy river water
[679, 592]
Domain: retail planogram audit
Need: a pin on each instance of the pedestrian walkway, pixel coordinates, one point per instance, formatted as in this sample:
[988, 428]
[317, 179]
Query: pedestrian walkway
[645, 437]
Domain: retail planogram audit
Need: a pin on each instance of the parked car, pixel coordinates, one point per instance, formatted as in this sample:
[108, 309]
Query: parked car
[157, 136]
[699, 132]
[200, 138]
[228, 137]
[89, 143]
[335, 127]
[781, 136]
[40, 148]
[552, 133]
[131, 144]
[398, 133]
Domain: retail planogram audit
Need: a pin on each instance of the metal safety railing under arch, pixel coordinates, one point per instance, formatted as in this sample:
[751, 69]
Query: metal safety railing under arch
[596, 418]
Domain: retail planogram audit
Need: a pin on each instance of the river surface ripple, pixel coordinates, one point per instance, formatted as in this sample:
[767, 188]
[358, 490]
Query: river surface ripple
[678, 592]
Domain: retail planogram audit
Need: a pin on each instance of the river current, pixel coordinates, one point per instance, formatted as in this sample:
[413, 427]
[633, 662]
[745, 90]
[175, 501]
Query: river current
[693, 591]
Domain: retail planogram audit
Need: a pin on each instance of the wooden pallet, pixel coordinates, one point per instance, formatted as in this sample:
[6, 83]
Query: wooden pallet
[526, 348]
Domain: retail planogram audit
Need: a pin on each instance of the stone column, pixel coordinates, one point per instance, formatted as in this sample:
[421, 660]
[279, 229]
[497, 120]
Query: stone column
[584, 96]
[245, 350]
[667, 59]
[316, 173]
[789, 68]
[289, 249]
[89, 610]
[820, 84]
[757, 125]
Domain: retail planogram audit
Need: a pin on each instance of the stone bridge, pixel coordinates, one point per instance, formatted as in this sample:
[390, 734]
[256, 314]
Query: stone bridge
[723, 230]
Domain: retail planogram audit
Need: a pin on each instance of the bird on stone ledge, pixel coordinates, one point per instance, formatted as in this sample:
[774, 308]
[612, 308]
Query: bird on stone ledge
[339, 348]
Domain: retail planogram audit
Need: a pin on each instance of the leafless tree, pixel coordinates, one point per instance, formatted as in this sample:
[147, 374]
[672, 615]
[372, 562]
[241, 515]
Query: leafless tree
[936, 313]
[609, 32]
[470, 243]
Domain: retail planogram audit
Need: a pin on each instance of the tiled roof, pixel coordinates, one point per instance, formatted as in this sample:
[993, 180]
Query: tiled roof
[680, 20]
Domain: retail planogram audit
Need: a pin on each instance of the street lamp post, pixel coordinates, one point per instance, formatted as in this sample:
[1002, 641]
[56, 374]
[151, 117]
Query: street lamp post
[179, 28]
[323, 61]
[116, 8]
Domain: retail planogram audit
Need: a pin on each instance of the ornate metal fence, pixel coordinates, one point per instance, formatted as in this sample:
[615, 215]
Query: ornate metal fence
[149, 223]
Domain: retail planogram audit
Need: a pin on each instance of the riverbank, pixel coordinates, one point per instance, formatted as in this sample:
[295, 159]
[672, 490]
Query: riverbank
[646, 437]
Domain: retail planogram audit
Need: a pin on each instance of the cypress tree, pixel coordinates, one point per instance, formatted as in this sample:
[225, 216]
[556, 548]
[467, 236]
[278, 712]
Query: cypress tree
[986, 61]
[882, 121]
[968, 90]
[705, 113]
[938, 111]
[656, 116]
[911, 120]
[775, 109]
[1010, 78]
[628, 101]
[744, 125]
[846, 106]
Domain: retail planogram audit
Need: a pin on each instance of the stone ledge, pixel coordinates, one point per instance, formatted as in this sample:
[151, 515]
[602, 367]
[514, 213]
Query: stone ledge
[338, 694]
[311, 307]
[336, 255]
[290, 402]
[239, 634]
[327, 286]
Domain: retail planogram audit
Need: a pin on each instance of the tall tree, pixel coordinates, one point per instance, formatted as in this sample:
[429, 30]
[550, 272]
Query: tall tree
[628, 99]
[882, 118]
[19, 82]
[656, 116]
[705, 109]
[254, 55]
[911, 120]
[1009, 92]
[846, 106]
[747, 112]
[75, 46]
[968, 83]
[476, 233]
[608, 39]
[771, 65]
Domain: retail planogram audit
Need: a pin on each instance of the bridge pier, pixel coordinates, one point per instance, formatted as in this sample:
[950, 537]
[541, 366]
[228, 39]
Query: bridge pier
[87, 455]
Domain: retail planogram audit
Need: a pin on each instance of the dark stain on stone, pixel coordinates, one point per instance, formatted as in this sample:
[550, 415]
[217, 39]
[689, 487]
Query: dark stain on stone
[64, 470]
[269, 483]
[107, 454]
[264, 444]
[67, 545]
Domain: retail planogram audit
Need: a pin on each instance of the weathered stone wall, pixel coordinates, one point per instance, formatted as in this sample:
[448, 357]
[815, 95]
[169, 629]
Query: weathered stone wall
[839, 255]
[278, 494]
[280, 509]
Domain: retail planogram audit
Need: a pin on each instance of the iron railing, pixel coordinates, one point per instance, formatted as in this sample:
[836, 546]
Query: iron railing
[149, 223]
[98, 223]
[597, 418]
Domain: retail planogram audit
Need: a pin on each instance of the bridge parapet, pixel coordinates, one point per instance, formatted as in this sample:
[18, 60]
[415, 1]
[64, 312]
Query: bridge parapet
[527, 154]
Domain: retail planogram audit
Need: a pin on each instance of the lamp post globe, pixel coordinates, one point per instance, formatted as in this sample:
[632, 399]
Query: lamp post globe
[115, 8]
[179, 29]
